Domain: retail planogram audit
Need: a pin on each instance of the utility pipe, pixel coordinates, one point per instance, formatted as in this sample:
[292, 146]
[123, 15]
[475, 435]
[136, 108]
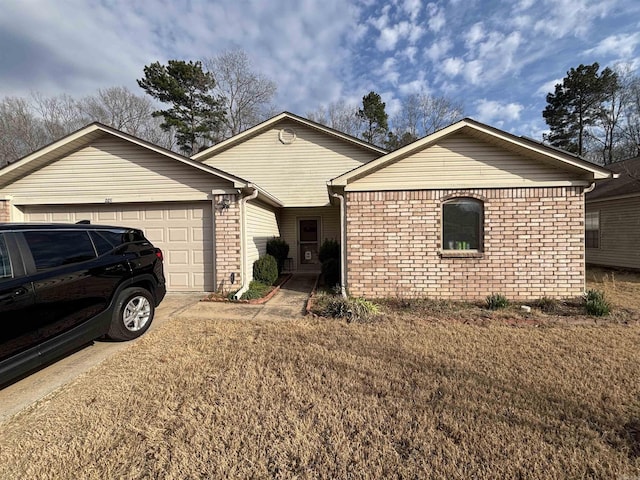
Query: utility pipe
[243, 244]
[343, 248]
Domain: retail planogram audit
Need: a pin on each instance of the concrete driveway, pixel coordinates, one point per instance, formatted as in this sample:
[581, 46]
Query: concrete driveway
[38, 385]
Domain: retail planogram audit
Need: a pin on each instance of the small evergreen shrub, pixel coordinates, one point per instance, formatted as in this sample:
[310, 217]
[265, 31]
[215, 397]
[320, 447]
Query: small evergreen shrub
[278, 249]
[351, 309]
[596, 304]
[256, 290]
[329, 249]
[331, 272]
[496, 301]
[265, 270]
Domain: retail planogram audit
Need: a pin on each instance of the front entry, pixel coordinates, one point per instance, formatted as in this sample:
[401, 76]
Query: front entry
[308, 236]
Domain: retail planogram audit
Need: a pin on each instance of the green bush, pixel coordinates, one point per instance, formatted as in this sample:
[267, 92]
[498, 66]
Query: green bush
[546, 304]
[595, 303]
[329, 249]
[331, 272]
[265, 270]
[278, 249]
[496, 301]
[256, 290]
[351, 309]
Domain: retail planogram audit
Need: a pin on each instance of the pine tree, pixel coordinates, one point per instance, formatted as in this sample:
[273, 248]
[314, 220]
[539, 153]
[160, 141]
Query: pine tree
[375, 118]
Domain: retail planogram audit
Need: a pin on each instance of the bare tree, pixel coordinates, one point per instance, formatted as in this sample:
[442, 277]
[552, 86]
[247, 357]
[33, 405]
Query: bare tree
[60, 114]
[340, 116]
[21, 131]
[119, 108]
[248, 94]
[422, 114]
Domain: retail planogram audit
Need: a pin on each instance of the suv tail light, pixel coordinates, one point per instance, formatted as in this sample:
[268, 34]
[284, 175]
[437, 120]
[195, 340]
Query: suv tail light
[159, 254]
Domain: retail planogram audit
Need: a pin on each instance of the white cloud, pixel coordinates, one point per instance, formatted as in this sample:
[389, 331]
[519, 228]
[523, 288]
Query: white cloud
[389, 72]
[437, 19]
[474, 35]
[559, 18]
[438, 49]
[452, 66]
[548, 87]
[412, 7]
[621, 45]
[490, 111]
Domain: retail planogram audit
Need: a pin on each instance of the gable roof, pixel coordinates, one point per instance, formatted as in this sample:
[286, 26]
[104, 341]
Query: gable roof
[83, 137]
[628, 182]
[520, 145]
[267, 124]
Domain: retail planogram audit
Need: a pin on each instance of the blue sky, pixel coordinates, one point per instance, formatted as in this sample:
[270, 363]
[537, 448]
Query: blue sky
[499, 58]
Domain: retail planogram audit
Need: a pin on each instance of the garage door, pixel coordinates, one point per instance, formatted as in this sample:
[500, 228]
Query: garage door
[184, 232]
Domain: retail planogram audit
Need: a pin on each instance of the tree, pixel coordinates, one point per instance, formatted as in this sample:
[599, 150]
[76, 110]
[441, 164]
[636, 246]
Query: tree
[340, 116]
[577, 104]
[375, 118]
[394, 142]
[248, 94]
[196, 113]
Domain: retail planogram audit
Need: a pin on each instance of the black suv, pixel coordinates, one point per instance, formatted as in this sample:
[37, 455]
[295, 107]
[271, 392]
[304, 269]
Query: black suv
[62, 286]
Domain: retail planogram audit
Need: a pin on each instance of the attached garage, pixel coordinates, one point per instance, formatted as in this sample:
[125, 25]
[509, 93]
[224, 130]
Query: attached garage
[108, 177]
[184, 232]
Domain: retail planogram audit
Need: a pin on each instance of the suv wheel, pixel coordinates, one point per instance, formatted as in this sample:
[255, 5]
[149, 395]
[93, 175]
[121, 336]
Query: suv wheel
[132, 315]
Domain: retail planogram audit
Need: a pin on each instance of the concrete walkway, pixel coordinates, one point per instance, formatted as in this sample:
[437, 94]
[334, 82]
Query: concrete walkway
[289, 302]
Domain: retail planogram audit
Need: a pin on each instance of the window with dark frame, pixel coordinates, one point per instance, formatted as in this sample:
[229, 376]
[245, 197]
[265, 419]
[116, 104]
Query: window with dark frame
[592, 230]
[5, 261]
[462, 224]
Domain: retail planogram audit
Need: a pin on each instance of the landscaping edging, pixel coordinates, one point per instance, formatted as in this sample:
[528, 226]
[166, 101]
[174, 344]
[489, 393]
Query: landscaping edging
[307, 308]
[255, 301]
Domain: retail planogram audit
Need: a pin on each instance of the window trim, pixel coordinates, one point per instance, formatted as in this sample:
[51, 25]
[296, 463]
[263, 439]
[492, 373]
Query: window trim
[599, 230]
[469, 252]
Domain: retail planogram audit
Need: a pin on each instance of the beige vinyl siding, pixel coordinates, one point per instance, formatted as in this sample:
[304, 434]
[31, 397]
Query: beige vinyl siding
[460, 161]
[296, 174]
[329, 227]
[619, 233]
[113, 170]
[262, 225]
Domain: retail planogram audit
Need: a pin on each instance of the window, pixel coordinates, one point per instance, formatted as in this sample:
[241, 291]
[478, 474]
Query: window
[63, 247]
[5, 261]
[462, 220]
[592, 230]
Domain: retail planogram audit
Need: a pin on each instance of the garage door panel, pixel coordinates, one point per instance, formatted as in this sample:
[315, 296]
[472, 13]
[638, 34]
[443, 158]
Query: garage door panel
[184, 232]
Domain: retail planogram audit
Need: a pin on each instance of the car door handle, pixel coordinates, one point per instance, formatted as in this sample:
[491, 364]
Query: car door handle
[10, 297]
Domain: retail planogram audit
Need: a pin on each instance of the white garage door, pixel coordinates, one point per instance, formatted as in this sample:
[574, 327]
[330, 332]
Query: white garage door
[184, 232]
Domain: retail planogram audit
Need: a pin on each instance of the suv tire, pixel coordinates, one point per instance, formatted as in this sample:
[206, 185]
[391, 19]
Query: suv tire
[133, 313]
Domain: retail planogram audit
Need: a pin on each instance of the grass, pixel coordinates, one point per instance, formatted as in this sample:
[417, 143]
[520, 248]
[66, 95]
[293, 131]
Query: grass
[403, 397]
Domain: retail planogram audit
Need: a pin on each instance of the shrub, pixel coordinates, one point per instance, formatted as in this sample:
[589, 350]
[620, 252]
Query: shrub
[595, 303]
[496, 301]
[546, 304]
[331, 272]
[329, 249]
[256, 290]
[351, 309]
[265, 270]
[278, 249]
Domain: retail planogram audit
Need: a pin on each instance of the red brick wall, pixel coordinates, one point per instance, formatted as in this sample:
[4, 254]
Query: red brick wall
[227, 226]
[533, 245]
[5, 211]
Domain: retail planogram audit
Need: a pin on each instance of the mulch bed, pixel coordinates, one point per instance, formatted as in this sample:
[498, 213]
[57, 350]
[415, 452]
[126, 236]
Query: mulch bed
[222, 297]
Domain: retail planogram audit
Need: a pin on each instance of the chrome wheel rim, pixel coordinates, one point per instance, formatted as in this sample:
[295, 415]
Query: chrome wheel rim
[137, 313]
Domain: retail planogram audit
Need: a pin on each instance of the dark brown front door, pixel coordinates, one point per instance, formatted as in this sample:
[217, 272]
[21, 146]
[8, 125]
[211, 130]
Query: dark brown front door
[308, 239]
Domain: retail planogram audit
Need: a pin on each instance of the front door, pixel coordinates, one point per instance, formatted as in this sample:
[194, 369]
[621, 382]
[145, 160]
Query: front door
[308, 235]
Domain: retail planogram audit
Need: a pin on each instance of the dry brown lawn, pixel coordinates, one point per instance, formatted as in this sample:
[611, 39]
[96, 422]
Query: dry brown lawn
[402, 397]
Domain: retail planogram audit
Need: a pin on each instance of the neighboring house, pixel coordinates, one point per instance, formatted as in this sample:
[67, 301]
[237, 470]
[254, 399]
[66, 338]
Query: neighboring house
[464, 212]
[612, 218]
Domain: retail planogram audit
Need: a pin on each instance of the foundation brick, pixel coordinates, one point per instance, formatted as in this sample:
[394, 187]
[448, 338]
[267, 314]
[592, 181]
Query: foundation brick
[228, 260]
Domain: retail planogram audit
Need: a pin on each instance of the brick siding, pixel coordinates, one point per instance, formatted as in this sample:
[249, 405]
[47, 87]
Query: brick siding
[533, 245]
[5, 210]
[227, 243]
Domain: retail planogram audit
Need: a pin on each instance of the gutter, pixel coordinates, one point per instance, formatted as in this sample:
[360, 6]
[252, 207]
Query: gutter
[243, 243]
[343, 248]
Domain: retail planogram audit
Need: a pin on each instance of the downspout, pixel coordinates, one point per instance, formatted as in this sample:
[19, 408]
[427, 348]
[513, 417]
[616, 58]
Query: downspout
[243, 244]
[590, 188]
[343, 248]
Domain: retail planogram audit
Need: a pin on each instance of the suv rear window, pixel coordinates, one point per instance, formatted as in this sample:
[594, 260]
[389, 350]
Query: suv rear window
[54, 248]
[5, 262]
